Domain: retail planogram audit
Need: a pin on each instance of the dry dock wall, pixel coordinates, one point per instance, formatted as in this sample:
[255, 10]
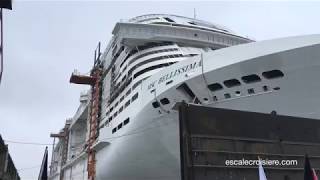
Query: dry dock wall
[210, 136]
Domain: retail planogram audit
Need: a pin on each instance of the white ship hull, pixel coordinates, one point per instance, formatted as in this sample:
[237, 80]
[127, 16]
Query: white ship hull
[148, 146]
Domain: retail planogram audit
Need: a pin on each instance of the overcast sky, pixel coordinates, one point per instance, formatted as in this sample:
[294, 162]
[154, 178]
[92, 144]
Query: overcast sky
[46, 40]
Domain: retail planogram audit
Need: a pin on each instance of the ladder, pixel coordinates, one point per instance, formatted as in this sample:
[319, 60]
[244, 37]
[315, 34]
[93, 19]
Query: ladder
[93, 121]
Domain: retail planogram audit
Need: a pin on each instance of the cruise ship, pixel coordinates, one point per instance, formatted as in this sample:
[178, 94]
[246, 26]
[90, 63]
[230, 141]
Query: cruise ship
[154, 62]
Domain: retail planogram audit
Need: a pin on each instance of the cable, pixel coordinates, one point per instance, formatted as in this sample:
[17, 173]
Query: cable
[135, 131]
[32, 167]
[29, 143]
[1, 48]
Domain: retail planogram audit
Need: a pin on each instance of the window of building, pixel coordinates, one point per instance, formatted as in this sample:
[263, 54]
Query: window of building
[215, 87]
[232, 83]
[251, 78]
[272, 74]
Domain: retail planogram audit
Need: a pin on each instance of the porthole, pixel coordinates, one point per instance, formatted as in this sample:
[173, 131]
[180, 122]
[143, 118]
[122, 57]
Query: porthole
[238, 93]
[156, 104]
[251, 91]
[265, 88]
[232, 83]
[215, 98]
[251, 78]
[272, 74]
[215, 87]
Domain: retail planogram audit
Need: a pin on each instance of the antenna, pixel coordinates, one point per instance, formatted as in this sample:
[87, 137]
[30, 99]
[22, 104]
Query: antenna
[194, 13]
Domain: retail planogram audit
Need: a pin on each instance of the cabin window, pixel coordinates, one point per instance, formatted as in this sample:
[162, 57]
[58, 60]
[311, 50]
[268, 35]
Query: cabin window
[126, 121]
[169, 82]
[251, 78]
[114, 130]
[110, 119]
[127, 104]
[136, 85]
[272, 74]
[215, 87]
[122, 98]
[115, 114]
[116, 104]
[120, 109]
[164, 101]
[120, 126]
[276, 88]
[168, 19]
[111, 109]
[232, 83]
[134, 97]
[128, 92]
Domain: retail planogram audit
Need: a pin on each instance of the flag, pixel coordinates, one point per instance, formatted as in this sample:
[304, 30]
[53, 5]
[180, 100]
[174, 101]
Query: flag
[309, 173]
[7, 4]
[315, 177]
[43, 174]
[262, 175]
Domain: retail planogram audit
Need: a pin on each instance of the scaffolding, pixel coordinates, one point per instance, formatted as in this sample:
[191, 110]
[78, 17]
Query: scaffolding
[94, 80]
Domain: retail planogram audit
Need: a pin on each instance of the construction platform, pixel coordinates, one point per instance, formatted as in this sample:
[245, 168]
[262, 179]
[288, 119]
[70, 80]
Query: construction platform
[210, 136]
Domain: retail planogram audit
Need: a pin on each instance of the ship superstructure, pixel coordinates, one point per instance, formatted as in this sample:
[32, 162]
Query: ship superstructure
[154, 62]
